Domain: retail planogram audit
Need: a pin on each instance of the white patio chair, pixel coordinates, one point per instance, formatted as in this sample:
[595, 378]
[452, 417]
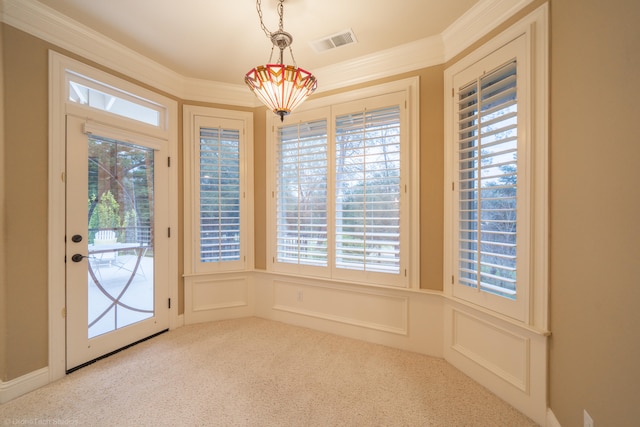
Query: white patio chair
[105, 237]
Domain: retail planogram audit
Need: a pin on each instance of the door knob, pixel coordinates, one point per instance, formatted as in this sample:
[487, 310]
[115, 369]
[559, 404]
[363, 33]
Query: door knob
[76, 238]
[78, 257]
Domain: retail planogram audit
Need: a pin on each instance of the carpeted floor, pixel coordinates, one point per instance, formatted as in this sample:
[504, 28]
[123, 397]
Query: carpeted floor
[256, 372]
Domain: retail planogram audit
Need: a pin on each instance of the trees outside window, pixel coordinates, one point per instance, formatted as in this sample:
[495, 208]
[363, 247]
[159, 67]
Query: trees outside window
[340, 200]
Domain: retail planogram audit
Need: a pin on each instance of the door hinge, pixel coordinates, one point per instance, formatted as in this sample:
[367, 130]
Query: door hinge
[452, 279]
[168, 231]
[169, 302]
[169, 162]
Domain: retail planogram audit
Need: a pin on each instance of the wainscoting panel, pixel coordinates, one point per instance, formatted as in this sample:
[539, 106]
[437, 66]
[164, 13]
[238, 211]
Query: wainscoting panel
[498, 350]
[361, 308]
[508, 359]
[216, 297]
[408, 319]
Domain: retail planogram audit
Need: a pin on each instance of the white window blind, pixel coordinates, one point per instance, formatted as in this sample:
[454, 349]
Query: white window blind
[219, 195]
[301, 194]
[368, 190]
[487, 182]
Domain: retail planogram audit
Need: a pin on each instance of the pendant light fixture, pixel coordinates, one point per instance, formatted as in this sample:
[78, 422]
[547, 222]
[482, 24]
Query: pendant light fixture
[280, 87]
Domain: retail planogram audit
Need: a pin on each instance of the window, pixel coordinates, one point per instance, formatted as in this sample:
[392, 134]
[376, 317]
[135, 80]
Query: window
[219, 194]
[96, 95]
[301, 192]
[368, 190]
[487, 183]
[341, 201]
[495, 213]
[217, 225]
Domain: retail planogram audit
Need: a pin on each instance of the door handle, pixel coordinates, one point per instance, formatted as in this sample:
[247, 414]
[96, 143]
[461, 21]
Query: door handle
[78, 257]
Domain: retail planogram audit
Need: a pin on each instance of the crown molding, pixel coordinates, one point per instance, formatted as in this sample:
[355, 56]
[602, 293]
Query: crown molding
[218, 93]
[47, 24]
[477, 22]
[412, 56]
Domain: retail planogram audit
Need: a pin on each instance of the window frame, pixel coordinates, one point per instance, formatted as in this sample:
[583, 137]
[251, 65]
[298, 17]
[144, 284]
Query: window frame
[517, 307]
[405, 92]
[195, 118]
[532, 55]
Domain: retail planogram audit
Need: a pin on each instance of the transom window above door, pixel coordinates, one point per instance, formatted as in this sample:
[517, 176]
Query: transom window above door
[100, 96]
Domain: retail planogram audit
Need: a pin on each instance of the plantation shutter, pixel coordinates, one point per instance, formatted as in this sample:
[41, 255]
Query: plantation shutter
[219, 195]
[301, 194]
[368, 190]
[487, 182]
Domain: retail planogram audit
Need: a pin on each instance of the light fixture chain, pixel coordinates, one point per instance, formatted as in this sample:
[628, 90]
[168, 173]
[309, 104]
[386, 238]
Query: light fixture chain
[281, 14]
[264, 28]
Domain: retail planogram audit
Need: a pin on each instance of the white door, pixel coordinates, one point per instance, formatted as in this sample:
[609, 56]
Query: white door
[116, 249]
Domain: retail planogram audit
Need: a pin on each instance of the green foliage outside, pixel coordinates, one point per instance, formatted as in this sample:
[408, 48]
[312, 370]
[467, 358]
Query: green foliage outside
[105, 215]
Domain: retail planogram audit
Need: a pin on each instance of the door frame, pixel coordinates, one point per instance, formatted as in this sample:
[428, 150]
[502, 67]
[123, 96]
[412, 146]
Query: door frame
[58, 67]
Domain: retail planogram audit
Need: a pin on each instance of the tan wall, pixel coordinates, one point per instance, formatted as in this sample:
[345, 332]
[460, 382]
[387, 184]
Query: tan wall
[26, 158]
[260, 187]
[3, 299]
[595, 212]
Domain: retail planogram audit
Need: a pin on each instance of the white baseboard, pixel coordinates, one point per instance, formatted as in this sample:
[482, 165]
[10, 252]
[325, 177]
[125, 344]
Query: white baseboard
[17, 387]
[179, 321]
[552, 421]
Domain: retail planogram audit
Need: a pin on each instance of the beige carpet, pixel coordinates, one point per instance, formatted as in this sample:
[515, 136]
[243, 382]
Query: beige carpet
[256, 372]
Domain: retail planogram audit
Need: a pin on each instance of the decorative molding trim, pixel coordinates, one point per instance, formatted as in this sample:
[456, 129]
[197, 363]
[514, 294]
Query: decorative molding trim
[213, 297]
[485, 338]
[217, 93]
[505, 340]
[483, 17]
[47, 24]
[15, 388]
[179, 322]
[43, 22]
[552, 421]
[375, 310]
[385, 63]
[215, 294]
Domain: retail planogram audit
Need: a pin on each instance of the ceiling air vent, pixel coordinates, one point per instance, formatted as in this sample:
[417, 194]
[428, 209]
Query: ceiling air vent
[342, 38]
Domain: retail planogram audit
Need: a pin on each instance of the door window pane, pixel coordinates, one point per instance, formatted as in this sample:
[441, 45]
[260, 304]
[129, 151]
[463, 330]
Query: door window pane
[120, 218]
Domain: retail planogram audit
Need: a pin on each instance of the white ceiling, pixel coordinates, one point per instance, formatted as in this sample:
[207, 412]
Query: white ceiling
[220, 40]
